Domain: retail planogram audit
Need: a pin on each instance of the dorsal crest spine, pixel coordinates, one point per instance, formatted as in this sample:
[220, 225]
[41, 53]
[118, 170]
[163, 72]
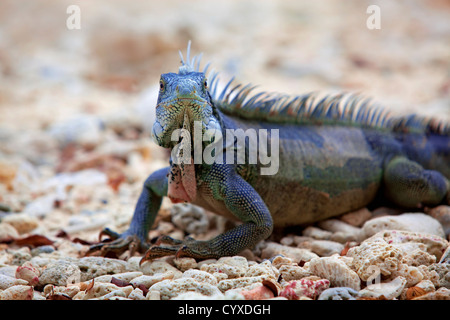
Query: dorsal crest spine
[310, 108]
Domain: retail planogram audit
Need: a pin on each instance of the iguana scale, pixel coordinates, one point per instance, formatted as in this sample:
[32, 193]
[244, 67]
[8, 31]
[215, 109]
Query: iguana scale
[336, 152]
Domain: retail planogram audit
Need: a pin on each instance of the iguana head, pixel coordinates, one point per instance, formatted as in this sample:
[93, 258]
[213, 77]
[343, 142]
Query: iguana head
[183, 97]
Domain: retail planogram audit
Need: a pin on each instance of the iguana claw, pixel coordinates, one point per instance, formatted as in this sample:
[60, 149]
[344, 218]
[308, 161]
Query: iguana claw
[118, 244]
[166, 246]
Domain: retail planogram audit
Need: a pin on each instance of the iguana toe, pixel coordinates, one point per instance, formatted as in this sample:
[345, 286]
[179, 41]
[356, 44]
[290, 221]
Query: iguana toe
[118, 244]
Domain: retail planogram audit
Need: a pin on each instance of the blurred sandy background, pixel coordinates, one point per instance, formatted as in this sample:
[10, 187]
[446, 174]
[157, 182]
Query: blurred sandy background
[80, 99]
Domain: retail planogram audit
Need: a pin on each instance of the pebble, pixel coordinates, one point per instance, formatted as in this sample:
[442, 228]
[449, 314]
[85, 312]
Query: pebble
[60, 273]
[184, 264]
[387, 290]
[29, 273]
[241, 282]
[336, 271]
[9, 271]
[91, 267]
[375, 257]
[339, 293]
[310, 288]
[22, 222]
[441, 214]
[160, 266]
[7, 282]
[446, 256]
[190, 218]
[258, 293]
[233, 267]
[434, 245]
[356, 218]
[440, 294]
[7, 232]
[200, 276]
[443, 272]
[42, 249]
[171, 288]
[84, 130]
[17, 292]
[147, 281]
[324, 248]
[317, 233]
[297, 254]
[101, 289]
[136, 294]
[351, 232]
[414, 222]
[69, 291]
[423, 287]
[125, 276]
[293, 272]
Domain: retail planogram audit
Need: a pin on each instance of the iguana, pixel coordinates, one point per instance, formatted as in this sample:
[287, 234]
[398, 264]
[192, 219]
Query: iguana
[335, 154]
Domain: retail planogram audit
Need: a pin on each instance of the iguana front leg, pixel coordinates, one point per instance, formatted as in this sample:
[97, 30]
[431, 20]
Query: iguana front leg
[242, 201]
[147, 207]
[408, 184]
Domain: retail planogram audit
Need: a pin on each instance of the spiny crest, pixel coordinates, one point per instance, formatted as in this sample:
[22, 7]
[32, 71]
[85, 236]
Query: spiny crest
[309, 108]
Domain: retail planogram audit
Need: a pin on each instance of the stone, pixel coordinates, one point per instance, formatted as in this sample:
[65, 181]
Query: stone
[387, 290]
[441, 214]
[414, 222]
[28, 272]
[290, 272]
[92, 267]
[200, 276]
[339, 293]
[7, 232]
[443, 271]
[325, 248]
[101, 289]
[310, 288]
[273, 249]
[147, 280]
[375, 257]
[190, 218]
[258, 293]
[440, 294]
[233, 267]
[17, 292]
[171, 288]
[434, 245]
[336, 271]
[338, 226]
[317, 233]
[241, 282]
[356, 218]
[159, 266]
[22, 222]
[60, 273]
[7, 282]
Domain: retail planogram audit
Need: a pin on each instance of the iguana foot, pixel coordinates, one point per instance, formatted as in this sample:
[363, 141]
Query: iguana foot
[118, 244]
[167, 246]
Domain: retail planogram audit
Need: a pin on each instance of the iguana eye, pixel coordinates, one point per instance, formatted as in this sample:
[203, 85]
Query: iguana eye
[161, 85]
[205, 84]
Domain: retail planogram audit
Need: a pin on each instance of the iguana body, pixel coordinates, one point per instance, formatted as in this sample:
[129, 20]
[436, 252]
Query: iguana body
[335, 155]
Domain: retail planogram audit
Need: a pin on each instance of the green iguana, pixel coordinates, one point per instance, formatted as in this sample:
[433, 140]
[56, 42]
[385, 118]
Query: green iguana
[330, 155]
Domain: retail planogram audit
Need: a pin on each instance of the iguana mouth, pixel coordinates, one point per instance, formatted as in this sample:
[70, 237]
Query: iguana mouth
[174, 102]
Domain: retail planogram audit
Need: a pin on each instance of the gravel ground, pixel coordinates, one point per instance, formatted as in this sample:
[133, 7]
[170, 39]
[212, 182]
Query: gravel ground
[77, 107]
